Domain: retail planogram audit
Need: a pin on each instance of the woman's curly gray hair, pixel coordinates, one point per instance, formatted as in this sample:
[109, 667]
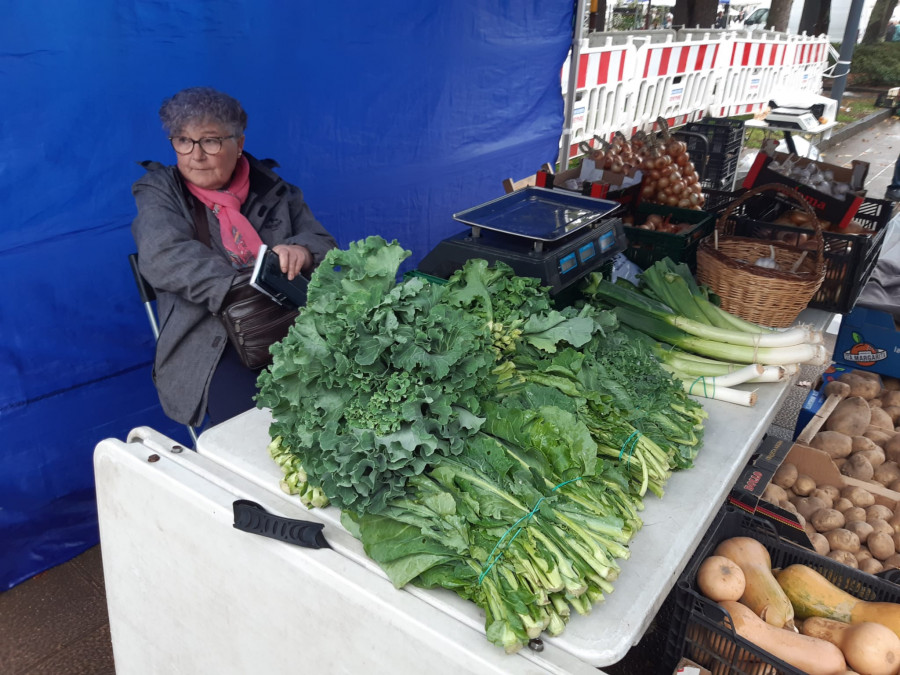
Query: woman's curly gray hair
[202, 104]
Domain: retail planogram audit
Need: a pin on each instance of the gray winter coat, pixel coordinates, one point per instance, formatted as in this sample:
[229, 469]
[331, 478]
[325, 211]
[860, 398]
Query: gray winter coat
[191, 279]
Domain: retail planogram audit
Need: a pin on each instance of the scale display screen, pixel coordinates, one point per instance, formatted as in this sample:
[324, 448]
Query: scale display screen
[587, 251]
[607, 241]
[568, 263]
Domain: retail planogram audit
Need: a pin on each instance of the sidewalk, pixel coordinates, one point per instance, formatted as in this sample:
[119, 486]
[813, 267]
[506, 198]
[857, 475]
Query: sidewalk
[879, 146]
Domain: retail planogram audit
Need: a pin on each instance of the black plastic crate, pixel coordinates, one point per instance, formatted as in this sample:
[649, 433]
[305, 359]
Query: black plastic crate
[719, 200]
[701, 630]
[720, 170]
[849, 258]
[723, 135]
[645, 247]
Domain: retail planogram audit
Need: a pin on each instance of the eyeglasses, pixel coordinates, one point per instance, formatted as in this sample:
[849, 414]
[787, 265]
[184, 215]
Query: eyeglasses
[210, 145]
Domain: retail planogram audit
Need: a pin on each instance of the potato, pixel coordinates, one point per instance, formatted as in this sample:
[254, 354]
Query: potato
[871, 566]
[889, 383]
[858, 496]
[834, 443]
[893, 412]
[824, 496]
[861, 529]
[842, 504]
[897, 541]
[832, 491]
[881, 545]
[881, 419]
[839, 462]
[874, 403]
[860, 443]
[807, 506]
[878, 512]
[894, 521]
[862, 554]
[836, 388]
[861, 386]
[892, 562]
[825, 520]
[887, 473]
[785, 476]
[892, 448]
[857, 466]
[775, 494]
[895, 486]
[875, 456]
[879, 526]
[820, 543]
[804, 485]
[843, 557]
[855, 513]
[788, 505]
[842, 540]
[868, 374]
[850, 416]
[879, 435]
[809, 529]
[890, 398]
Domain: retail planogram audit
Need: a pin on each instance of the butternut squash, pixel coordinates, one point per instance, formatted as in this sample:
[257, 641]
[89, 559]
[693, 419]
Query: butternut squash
[869, 648]
[762, 594]
[811, 594]
[809, 654]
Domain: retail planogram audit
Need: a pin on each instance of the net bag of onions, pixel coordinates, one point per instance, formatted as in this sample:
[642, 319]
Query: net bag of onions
[669, 176]
[764, 281]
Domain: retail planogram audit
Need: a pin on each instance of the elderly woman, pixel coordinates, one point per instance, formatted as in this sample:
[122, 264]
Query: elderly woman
[245, 204]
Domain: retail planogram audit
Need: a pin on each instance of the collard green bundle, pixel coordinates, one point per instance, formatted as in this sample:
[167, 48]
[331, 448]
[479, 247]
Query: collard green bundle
[475, 438]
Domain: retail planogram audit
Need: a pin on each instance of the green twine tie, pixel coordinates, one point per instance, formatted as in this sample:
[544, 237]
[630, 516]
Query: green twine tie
[493, 560]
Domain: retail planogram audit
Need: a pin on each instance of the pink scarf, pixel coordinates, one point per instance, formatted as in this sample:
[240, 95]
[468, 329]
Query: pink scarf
[238, 236]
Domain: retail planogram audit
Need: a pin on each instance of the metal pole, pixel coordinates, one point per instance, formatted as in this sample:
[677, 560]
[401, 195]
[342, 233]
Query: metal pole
[574, 58]
[848, 44]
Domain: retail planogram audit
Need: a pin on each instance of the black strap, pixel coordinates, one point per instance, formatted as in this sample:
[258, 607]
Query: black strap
[253, 518]
[198, 210]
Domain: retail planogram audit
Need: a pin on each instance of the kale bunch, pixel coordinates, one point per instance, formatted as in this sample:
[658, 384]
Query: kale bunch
[376, 379]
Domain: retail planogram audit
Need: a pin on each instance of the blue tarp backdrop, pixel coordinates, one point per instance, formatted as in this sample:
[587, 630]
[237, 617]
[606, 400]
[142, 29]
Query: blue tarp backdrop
[389, 115]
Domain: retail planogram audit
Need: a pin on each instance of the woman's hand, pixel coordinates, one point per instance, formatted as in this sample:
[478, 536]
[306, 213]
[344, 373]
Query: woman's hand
[293, 258]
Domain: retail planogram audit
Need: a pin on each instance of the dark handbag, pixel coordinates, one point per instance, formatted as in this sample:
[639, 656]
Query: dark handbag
[253, 321]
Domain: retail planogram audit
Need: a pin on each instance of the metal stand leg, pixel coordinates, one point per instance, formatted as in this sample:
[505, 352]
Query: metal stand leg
[789, 141]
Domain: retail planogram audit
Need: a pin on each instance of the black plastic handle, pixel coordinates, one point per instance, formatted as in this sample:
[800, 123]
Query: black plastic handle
[253, 518]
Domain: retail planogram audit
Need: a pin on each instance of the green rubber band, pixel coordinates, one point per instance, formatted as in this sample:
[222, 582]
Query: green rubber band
[526, 517]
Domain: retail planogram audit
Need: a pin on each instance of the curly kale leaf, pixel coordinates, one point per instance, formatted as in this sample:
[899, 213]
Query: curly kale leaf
[376, 379]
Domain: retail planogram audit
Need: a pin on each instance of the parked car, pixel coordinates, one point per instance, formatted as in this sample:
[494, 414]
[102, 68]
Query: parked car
[758, 17]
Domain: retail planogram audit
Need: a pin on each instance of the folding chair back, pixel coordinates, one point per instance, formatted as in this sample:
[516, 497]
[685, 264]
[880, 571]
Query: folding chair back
[148, 297]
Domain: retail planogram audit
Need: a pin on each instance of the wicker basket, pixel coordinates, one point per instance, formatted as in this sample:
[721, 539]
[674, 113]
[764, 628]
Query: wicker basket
[769, 297]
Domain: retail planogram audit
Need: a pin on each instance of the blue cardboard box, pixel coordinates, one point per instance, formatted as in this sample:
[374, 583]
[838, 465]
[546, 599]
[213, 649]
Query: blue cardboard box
[869, 340]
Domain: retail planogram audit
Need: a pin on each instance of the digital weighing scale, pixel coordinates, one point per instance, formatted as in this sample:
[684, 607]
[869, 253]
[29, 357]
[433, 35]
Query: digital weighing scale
[800, 119]
[558, 237]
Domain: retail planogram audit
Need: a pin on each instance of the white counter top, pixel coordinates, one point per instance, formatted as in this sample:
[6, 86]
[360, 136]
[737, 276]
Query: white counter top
[673, 525]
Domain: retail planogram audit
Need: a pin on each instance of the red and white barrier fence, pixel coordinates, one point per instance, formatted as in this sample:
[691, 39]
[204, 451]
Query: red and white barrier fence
[625, 83]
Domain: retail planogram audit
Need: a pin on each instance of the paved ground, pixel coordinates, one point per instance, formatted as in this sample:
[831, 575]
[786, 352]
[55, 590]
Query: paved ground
[56, 623]
[879, 146]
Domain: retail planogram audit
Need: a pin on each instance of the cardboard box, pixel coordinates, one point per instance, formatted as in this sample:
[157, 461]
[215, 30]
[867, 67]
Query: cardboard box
[747, 491]
[869, 339]
[688, 667]
[835, 210]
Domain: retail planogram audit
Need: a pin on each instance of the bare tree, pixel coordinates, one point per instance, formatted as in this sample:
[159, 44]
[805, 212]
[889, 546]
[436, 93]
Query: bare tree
[779, 14]
[878, 21]
[693, 13]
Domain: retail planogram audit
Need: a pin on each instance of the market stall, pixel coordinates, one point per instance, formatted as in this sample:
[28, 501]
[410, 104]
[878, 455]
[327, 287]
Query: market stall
[293, 600]
[375, 402]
